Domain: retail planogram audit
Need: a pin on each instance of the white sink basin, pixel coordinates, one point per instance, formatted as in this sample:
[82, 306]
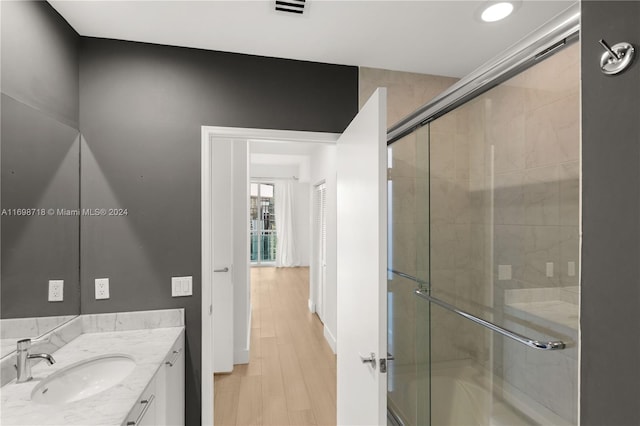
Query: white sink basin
[83, 379]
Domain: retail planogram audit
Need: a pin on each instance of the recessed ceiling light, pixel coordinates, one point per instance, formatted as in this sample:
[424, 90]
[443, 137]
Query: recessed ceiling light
[497, 11]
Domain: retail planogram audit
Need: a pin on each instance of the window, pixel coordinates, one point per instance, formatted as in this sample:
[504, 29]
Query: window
[262, 223]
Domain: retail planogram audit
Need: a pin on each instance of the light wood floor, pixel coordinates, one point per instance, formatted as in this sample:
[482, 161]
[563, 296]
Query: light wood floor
[291, 375]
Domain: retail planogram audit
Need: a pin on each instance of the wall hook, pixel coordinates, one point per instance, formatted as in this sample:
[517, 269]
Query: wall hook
[617, 58]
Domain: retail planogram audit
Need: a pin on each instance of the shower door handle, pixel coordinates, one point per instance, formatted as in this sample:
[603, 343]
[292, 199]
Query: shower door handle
[371, 359]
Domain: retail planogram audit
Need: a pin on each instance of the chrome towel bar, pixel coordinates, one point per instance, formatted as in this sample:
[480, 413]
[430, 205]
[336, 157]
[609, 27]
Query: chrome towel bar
[409, 277]
[535, 344]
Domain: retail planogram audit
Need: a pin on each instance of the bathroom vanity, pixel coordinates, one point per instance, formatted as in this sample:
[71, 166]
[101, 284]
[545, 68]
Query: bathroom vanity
[120, 369]
[162, 401]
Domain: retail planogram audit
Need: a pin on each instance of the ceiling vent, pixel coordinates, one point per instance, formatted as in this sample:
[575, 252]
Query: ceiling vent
[290, 6]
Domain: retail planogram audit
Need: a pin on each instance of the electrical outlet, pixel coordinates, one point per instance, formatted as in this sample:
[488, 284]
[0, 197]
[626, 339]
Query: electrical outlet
[549, 269]
[504, 272]
[102, 288]
[56, 290]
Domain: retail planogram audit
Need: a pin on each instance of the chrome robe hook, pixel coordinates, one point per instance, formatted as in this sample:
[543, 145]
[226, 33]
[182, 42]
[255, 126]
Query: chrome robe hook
[617, 58]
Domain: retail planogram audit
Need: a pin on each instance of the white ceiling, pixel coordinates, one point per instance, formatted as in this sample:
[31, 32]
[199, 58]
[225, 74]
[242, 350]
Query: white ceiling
[430, 37]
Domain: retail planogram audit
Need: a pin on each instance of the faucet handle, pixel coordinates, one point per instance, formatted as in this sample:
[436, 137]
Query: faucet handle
[24, 344]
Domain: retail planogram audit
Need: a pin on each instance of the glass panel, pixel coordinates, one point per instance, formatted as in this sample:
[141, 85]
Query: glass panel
[408, 251]
[266, 191]
[504, 220]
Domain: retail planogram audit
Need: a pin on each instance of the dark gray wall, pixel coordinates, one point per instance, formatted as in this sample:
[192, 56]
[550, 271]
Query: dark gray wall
[40, 169]
[39, 159]
[142, 110]
[610, 318]
[40, 59]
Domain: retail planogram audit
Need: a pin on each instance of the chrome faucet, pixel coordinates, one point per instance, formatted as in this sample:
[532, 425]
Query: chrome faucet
[24, 365]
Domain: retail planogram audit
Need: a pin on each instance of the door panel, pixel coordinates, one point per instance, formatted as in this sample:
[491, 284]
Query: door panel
[222, 256]
[362, 265]
[320, 242]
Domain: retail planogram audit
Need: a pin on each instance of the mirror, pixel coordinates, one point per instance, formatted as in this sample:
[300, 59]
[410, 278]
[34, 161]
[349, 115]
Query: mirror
[40, 223]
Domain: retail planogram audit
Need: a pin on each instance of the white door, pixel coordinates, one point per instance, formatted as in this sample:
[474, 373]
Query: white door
[320, 241]
[222, 285]
[362, 264]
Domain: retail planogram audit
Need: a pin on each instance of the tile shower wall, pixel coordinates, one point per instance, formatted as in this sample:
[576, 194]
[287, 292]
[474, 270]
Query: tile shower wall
[406, 91]
[536, 226]
[459, 228]
[504, 185]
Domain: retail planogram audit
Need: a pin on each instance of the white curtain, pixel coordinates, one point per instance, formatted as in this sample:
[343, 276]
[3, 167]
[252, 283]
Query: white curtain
[286, 255]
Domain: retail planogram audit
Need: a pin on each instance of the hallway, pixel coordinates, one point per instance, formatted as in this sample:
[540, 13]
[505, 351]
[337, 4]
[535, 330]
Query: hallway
[291, 375]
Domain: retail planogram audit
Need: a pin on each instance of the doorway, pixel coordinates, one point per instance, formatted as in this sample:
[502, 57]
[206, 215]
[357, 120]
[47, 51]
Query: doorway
[261, 198]
[359, 289]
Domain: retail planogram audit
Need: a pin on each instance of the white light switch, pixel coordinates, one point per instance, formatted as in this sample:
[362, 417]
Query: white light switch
[102, 288]
[181, 286]
[571, 269]
[56, 290]
[187, 286]
[504, 272]
[549, 269]
[176, 290]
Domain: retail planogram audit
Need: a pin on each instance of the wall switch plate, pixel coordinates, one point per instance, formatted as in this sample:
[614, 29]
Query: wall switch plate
[56, 290]
[549, 269]
[187, 286]
[571, 269]
[181, 286]
[102, 288]
[504, 272]
[176, 287]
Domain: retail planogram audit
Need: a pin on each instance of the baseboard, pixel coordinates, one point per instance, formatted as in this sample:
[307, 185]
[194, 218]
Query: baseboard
[249, 327]
[330, 339]
[241, 356]
[312, 306]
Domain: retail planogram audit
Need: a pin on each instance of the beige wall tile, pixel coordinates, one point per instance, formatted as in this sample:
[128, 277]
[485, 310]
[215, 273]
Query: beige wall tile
[406, 92]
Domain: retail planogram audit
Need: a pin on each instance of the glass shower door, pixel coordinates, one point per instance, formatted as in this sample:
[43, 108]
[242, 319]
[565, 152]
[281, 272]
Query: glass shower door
[504, 220]
[484, 222]
[408, 252]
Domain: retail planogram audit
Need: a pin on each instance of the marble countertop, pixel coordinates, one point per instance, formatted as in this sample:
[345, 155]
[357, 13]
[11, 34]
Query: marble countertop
[148, 347]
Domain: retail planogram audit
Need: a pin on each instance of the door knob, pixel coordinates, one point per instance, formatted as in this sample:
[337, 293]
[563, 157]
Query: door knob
[371, 359]
[225, 269]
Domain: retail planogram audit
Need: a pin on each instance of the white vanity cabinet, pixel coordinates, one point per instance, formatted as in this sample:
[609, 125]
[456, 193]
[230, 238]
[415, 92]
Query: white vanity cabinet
[162, 402]
[170, 385]
[144, 412]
